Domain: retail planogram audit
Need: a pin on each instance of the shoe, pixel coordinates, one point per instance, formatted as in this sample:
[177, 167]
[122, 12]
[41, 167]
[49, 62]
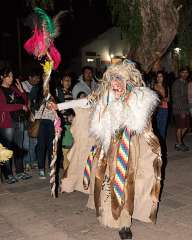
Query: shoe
[26, 176]
[42, 174]
[11, 179]
[185, 148]
[181, 147]
[125, 233]
[178, 147]
[23, 176]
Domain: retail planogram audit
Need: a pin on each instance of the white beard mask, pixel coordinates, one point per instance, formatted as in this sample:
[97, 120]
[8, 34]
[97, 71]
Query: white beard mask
[108, 118]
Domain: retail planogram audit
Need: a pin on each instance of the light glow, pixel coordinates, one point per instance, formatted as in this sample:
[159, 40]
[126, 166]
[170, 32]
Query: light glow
[90, 60]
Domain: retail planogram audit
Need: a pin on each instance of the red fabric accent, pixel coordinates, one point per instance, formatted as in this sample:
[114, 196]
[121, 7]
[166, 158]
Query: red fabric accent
[5, 109]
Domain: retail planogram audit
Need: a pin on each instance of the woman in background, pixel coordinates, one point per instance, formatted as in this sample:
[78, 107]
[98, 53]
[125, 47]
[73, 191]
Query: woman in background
[161, 116]
[8, 109]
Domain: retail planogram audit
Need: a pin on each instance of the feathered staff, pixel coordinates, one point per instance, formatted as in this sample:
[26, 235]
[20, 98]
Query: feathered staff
[44, 33]
[41, 44]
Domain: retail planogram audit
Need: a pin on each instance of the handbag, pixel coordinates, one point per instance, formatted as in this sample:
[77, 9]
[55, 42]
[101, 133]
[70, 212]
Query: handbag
[33, 128]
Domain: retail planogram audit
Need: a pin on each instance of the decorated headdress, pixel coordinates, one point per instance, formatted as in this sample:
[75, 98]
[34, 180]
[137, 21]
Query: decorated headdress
[126, 72]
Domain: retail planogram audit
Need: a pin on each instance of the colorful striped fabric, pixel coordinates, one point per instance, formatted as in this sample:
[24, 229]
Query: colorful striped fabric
[121, 165]
[88, 167]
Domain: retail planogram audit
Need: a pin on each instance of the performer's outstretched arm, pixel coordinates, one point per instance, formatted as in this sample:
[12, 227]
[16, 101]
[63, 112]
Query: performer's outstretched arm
[80, 103]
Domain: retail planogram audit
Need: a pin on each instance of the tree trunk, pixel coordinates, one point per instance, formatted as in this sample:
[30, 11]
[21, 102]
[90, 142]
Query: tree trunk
[160, 23]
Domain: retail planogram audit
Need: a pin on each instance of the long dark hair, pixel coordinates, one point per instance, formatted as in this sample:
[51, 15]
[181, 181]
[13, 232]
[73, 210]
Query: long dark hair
[165, 85]
[4, 72]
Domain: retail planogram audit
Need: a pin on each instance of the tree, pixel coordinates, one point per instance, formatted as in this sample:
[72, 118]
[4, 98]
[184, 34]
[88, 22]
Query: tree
[150, 27]
[185, 32]
[153, 26]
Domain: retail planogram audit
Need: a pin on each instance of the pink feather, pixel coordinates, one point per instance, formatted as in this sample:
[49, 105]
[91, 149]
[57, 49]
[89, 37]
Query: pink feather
[36, 45]
[55, 55]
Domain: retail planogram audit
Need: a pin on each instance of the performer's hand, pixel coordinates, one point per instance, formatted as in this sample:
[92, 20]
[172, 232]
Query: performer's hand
[52, 106]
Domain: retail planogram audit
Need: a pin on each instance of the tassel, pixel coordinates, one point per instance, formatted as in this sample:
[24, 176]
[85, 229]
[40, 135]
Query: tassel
[88, 167]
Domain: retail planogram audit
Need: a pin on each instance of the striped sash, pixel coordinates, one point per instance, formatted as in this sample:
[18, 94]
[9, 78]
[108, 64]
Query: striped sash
[121, 165]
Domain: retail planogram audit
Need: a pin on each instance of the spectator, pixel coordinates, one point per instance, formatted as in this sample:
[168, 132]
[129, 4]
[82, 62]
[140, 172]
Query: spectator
[81, 95]
[33, 80]
[161, 117]
[45, 137]
[63, 92]
[67, 139]
[31, 86]
[9, 108]
[181, 108]
[86, 82]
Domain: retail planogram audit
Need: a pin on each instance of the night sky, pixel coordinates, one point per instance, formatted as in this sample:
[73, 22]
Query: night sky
[87, 22]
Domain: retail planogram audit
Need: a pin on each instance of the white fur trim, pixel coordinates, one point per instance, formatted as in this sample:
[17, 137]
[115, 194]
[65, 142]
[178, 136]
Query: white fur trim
[106, 120]
[141, 105]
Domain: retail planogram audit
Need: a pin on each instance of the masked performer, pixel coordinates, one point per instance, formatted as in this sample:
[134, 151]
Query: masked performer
[126, 157]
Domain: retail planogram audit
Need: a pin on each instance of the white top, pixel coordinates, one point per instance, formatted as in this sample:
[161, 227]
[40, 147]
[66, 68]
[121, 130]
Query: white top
[82, 86]
[27, 86]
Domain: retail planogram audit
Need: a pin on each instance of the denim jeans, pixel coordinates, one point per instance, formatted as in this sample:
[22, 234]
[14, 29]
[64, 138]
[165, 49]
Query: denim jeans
[161, 122]
[44, 142]
[19, 151]
[29, 144]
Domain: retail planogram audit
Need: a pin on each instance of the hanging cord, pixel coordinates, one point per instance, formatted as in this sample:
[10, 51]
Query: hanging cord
[48, 67]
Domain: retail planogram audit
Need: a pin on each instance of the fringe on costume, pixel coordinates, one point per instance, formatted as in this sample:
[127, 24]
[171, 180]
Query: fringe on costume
[153, 142]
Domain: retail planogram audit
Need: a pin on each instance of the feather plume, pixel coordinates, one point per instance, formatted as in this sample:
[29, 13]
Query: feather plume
[57, 21]
[44, 19]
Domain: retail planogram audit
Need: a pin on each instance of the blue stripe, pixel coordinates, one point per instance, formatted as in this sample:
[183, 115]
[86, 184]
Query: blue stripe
[120, 175]
[85, 174]
[118, 191]
[124, 148]
[121, 162]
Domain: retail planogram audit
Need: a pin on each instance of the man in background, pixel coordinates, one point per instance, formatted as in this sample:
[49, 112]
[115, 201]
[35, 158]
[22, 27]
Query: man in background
[181, 108]
[86, 83]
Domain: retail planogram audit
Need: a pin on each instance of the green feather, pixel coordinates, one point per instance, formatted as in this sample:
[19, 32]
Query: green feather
[43, 17]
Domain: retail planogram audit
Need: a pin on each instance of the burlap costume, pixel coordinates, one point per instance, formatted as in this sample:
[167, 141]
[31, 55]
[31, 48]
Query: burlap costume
[123, 102]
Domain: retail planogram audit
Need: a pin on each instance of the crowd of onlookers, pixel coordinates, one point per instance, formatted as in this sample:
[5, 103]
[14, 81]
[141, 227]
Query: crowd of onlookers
[175, 104]
[22, 101]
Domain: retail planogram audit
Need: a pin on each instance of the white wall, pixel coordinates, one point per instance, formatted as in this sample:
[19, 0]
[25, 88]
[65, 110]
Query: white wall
[106, 44]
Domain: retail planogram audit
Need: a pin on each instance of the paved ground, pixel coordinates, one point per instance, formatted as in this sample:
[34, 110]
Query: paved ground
[27, 212]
